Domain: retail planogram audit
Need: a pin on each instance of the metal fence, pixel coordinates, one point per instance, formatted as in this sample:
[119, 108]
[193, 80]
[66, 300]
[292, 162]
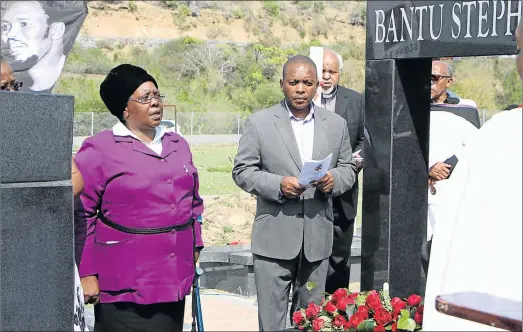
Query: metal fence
[190, 123]
[193, 123]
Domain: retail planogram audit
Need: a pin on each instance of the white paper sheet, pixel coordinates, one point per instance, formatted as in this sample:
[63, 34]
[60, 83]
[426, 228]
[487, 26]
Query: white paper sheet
[314, 170]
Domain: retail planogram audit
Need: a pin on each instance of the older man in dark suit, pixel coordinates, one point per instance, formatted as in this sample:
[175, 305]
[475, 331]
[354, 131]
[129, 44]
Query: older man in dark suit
[348, 104]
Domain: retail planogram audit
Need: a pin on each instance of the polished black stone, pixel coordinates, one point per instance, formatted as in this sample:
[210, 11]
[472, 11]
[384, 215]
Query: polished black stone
[36, 137]
[414, 29]
[37, 267]
[397, 103]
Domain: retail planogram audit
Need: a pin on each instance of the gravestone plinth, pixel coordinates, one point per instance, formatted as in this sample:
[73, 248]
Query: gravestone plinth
[36, 241]
[402, 38]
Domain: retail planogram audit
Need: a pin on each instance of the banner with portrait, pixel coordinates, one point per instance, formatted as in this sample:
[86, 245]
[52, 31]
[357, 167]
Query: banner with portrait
[37, 36]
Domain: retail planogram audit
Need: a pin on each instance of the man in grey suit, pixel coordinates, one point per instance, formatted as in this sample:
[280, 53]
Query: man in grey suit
[349, 104]
[292, 231]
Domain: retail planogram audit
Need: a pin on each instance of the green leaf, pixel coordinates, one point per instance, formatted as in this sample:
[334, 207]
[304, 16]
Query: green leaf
[405, 322]
[311, 285]
[367, 325]
[360, 300]
[404, 313]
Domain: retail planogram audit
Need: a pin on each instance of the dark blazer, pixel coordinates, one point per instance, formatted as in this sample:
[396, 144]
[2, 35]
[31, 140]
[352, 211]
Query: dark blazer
[350, 105]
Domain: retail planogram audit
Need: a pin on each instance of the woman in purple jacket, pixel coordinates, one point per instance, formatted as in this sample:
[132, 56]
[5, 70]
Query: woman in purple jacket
[139, 205]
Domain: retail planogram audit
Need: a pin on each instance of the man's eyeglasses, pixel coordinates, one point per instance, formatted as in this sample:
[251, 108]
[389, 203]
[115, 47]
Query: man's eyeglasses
[437, 78]
[147, 99]
[11, 86]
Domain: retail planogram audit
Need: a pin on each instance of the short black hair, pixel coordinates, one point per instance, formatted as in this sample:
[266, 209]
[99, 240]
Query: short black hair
[298, 59]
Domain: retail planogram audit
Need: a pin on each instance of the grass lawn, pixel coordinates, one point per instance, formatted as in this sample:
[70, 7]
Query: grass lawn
[214, 168]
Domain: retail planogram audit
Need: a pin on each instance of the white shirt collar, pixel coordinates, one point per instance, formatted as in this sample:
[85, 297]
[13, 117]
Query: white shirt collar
[307, 118]
[120, 129]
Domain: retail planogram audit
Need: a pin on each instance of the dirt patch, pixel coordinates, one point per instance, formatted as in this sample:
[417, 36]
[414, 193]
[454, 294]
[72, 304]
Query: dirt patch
[228, 218]
[148, 20]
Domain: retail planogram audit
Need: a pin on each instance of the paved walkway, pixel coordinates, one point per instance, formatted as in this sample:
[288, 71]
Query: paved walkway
[220, 311]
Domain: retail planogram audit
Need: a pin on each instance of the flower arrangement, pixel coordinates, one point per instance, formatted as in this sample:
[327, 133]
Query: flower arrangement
[364, 311]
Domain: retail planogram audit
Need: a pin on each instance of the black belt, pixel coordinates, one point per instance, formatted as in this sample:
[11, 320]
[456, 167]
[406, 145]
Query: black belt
[130, 230]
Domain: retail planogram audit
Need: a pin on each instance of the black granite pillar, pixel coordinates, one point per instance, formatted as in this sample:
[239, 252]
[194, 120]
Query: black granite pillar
[397, 103]
[36, 239]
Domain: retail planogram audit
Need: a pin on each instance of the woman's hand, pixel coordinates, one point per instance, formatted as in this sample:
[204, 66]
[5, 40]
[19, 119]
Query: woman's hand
[77, 179]
[91, 289]
[197, 255]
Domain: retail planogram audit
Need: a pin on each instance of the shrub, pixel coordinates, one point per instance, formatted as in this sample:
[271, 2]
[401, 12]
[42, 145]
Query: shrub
[132, 7]
[272, 8]
[237, 13]
[183, 10]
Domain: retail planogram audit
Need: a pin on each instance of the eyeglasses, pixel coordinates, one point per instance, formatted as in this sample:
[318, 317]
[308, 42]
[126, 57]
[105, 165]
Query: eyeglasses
[147, 99]
[437, 78]
[11, 86]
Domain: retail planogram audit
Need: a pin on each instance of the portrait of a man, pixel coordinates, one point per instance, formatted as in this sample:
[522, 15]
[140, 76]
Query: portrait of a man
[36, 37]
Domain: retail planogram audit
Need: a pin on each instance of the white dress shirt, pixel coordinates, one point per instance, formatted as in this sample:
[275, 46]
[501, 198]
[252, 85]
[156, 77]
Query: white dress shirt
[155, 145]
[303, 133]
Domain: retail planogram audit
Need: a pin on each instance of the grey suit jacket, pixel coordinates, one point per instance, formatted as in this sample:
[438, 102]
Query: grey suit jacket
[266, 153]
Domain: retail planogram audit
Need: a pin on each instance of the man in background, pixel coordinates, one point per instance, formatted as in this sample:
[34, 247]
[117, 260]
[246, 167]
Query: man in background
[8, 81]
[34, 39]
[349, 105]
[441, 80]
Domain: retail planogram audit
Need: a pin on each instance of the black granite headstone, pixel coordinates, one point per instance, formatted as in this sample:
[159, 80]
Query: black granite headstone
[402, 38]
[36, 240]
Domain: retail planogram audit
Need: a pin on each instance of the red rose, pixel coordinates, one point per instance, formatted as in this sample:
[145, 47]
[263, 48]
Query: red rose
[373, 301]
[343, 303]
[418, 317]
[375, 305]
[420, 309]
[318, 324]
[397, 304]
[373, 296]
[301, 327]
[352, 296]
[379, 328]
[382, 316]
[414, 300]
[354, 321]
[312, 310]
[298, 317]
[339, 321]
[329, 307]
[339, 294]
[363, 311]
[394, 327]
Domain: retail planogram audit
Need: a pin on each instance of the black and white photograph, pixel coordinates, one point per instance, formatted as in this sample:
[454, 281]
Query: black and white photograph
[37, 37]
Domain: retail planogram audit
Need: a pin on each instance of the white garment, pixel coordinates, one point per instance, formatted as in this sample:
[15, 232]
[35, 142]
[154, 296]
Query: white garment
[78, 314]
[120, 129]
[449, 135]
[303, 133]
[467, 102]
[481, 248]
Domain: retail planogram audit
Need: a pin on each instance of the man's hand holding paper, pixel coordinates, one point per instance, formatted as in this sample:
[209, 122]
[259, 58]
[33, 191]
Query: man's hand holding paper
[314, 170]
[325, 184]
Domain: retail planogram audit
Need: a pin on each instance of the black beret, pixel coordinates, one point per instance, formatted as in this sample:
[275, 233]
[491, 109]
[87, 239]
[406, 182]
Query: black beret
[120, 84]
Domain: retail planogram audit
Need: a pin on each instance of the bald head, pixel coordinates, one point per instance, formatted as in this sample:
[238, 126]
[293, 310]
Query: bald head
[440, 81]
[7, 77]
